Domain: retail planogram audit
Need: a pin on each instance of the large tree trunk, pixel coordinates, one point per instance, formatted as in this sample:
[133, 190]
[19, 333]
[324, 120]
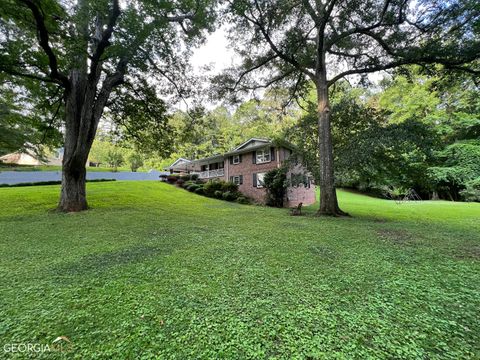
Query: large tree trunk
[328, 194]
[73, 195]
[79, 133]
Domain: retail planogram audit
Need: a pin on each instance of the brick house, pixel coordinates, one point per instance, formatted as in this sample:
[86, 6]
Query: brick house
[246, 165]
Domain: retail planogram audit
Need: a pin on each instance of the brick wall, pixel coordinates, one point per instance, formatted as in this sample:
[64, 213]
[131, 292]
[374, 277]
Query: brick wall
[247, 168]
[301, 193]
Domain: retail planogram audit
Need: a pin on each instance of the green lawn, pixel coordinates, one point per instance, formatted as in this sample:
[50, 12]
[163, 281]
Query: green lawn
[157, 272]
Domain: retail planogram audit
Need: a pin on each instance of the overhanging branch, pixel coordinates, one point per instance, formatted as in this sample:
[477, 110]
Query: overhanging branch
[43, 40]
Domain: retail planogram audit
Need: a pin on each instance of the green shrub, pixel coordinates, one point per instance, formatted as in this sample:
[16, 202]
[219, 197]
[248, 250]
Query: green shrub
[172, 179]
[229, 196]
[243, 200]
[218, 194]
[192, 187]
[229, 186]
[472, 190]
[200, 191]
[212, 186]
[180, 182]
[194, 177]
[275, 182]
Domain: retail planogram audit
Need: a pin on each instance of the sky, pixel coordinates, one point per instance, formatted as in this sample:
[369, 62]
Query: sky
[214, 52]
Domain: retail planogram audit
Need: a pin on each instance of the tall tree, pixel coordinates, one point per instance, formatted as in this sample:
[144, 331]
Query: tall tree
[292, 42]
[89, 48]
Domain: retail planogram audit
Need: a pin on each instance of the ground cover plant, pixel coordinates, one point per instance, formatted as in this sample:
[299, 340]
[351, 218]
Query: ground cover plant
[153, 271]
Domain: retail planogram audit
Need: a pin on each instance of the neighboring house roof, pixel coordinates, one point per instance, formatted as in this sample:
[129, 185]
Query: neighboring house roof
[28, 157]
[179, 161]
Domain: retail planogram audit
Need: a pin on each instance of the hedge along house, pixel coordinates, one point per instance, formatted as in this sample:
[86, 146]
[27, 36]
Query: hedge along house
[246, 166]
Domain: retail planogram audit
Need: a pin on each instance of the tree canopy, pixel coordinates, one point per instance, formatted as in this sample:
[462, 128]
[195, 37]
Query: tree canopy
[88, 49]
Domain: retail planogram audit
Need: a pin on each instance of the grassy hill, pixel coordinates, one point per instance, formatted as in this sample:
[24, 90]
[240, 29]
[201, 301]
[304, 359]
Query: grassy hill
[156, 272]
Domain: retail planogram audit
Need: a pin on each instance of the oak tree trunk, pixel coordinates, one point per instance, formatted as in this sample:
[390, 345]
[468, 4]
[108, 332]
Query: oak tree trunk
[73, 194]
[328, 194]
[80, 129]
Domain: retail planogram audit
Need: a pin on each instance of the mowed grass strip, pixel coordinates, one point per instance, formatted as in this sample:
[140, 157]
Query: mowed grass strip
[152, 271]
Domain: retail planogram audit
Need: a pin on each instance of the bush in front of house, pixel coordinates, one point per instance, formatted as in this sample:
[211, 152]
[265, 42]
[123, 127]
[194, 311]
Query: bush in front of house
[275, 182]
[219, 189]
[200, 190]
[229, 186]
[229, 196]
[180, 182]
[212, 186]
[189, 177]
[243, 200]
[172, 179]
[192, 187]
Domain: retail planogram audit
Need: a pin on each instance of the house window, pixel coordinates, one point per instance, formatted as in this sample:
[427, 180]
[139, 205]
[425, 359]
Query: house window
[263, 155]
[237, 179]
[260, 180]
[236, 159]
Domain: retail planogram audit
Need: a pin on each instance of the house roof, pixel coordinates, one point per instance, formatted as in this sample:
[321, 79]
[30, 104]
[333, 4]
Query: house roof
[207, 159]
[252, 140]
[180, 160]
[256, 144]
[249, 145]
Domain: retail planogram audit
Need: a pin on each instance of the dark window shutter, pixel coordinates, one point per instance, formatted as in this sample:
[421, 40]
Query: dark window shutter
[254, 157]
[241, 179]
[240, 158]
[231, 160]
[254, 180]
[231, 178]
[272, 154]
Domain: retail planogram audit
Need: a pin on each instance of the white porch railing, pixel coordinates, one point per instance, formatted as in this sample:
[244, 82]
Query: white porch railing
[210, 173]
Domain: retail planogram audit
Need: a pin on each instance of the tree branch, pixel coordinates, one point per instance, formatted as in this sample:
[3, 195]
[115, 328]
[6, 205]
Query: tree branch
[43, 40]
[311, 11]
[275, 49]
[104, 41]
[362, 30]
[253, 68]
[29, 76]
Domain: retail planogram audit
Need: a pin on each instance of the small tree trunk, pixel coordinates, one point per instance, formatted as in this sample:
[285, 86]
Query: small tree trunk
[328, 194]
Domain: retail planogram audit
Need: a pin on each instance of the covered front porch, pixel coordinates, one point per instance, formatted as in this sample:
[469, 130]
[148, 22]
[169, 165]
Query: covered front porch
[208, 168]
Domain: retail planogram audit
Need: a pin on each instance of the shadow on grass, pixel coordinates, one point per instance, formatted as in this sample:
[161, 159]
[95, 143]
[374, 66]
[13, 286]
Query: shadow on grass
[98, 263]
